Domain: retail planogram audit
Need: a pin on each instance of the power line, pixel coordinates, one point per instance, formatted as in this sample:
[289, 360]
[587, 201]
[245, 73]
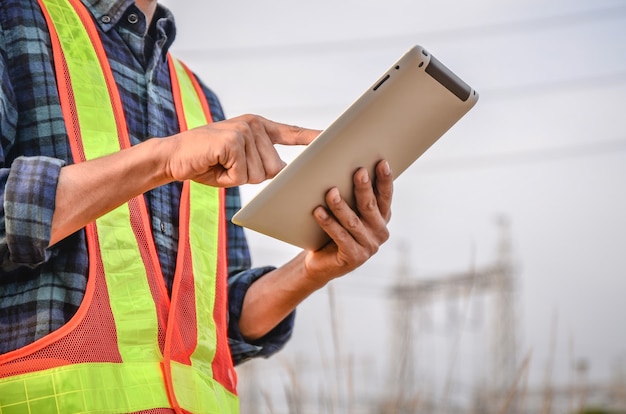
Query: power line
[379, 42]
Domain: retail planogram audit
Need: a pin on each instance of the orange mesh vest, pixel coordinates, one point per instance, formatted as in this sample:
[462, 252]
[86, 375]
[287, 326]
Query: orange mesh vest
[129, 348]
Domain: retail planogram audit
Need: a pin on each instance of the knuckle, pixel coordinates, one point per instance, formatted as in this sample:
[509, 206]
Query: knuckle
[342, 236]
[342, 262]
[371, 205]
[236, 142]
[296, 131]
[363, 255]
[246, 117]
[373, 250]
[271, 172]
[237, 133]
[353, 222]
[254, 121]
[256, 176]
[384, 235]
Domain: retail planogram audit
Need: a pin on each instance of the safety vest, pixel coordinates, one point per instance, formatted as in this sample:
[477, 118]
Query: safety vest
[129, 347]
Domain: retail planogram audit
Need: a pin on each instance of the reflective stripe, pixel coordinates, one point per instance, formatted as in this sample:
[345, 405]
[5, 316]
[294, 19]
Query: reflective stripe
[203, 203]
[201, 394]
[192, 104]
[93, 102]
[190, 383]
[138, 382]
[202, 210]
[111, 388]
[130, 298]
[131, 301]
[85, 388]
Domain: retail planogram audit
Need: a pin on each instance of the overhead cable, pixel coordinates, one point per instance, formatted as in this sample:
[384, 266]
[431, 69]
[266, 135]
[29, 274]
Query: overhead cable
[379, 42]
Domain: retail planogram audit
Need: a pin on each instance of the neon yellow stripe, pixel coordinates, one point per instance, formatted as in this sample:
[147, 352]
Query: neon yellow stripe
[131, 300]
[203, 237]
[132, 385]
[85, 388]
[93, 102]
[194, 115]
[204, 207]
[202, 394]
[111, 388]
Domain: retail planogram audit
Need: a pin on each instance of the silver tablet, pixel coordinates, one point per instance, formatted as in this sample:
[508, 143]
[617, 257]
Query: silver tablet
[397, 119]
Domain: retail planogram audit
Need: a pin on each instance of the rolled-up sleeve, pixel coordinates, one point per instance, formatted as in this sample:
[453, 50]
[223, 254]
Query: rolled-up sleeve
[266, 346]
[28, 202]
[27, 189]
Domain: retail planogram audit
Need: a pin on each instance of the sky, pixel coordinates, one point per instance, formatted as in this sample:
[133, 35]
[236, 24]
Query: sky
[545, 147]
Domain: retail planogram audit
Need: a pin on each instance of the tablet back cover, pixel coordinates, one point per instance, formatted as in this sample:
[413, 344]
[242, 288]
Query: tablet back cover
[397, 119]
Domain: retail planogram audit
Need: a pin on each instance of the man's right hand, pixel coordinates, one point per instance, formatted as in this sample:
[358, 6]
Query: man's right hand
[222, 154]
[232, 152]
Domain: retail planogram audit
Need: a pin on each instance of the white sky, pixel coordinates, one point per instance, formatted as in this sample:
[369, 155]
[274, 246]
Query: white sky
[545, 146]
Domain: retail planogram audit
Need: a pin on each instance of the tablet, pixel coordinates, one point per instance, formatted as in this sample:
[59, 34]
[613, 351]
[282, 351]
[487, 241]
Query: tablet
[397, 119]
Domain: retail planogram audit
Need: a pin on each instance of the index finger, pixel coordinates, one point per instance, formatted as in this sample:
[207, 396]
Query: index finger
[285, 134]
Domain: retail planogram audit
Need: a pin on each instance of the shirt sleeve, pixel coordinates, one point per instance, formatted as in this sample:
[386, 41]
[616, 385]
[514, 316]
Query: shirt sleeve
[266, 346]
[27, 191]
[241, 276]
[28, 196]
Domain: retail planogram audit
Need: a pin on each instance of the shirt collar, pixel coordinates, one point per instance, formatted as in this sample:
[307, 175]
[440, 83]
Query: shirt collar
[108, 13]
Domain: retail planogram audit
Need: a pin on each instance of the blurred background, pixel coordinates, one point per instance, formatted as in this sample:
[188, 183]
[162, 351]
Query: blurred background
[502, 288]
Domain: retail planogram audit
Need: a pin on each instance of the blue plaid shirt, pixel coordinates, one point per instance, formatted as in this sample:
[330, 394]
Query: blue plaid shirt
[41, 288]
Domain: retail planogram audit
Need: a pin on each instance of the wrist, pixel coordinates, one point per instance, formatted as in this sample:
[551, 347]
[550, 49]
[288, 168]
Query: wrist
[158, 151]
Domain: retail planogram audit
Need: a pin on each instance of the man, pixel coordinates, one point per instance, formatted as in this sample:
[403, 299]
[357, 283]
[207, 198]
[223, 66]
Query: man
[63, 274]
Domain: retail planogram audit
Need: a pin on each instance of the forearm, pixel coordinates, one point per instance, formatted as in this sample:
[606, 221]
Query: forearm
[274, 296]
[221, 154]
[88, 190]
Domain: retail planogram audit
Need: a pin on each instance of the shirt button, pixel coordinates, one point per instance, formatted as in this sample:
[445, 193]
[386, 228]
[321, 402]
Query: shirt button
[133, 18]
[105, 19]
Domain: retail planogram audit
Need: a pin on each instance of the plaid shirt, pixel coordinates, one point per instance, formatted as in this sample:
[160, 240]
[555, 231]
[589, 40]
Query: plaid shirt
[41, 288]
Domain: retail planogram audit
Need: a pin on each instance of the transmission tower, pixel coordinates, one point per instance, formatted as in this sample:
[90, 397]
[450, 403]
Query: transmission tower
[411, 295]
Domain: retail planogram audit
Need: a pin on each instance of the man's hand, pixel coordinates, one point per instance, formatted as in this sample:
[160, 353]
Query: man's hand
[233, 152]
[225, 154]
[356, 234]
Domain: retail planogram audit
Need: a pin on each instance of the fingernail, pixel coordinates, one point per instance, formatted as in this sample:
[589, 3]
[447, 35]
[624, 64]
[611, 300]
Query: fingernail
[386, 168]
[334, 195]
[365, 177]
[321, 213]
